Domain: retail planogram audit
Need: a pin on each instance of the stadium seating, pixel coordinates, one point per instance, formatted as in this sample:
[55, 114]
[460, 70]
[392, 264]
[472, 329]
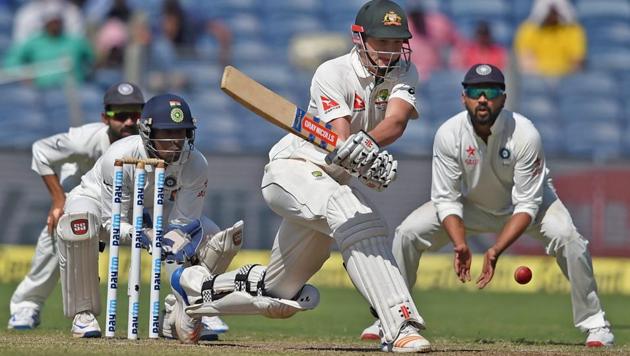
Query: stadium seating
[577, 115]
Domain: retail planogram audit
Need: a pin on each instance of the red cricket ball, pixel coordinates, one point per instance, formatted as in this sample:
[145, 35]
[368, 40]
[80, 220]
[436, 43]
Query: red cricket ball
[523, 275]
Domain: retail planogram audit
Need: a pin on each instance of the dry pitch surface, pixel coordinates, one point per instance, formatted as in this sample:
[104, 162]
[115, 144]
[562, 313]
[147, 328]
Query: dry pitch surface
[459, 323]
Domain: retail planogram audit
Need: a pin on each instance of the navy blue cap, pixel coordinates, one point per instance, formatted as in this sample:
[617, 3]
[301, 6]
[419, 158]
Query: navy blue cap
[484, 74]
[167, 111]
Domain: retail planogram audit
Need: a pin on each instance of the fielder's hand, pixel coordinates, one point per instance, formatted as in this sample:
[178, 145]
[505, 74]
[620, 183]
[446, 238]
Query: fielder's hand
[357, 152]
[487, 271]
[55, 212]
[462, 262]
[381, 173]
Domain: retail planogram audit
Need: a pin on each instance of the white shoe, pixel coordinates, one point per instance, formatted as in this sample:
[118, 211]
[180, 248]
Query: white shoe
[372, 332]
[85, 325]
[212, 326]
[24, 319]
[599, 337]
[187, 329]
[408, 340]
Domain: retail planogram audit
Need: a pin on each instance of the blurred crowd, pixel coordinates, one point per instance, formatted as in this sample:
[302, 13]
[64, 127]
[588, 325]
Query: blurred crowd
[182, 45]
[111, 36]
[111, 39]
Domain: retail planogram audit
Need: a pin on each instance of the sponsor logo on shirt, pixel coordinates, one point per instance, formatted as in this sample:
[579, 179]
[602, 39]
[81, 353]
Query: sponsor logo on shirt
[79, 226]
[359, 103]
[328, 104]
[471, 159]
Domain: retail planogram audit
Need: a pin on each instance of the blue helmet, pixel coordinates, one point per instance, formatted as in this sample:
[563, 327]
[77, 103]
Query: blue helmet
[167, 112]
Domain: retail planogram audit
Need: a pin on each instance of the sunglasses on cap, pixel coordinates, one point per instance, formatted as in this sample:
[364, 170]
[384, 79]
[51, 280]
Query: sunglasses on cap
[489, 93]
[123, 115]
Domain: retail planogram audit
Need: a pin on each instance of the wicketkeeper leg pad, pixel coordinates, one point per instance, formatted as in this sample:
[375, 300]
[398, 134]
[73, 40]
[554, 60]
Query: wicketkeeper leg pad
[78, 261]
[362, 238]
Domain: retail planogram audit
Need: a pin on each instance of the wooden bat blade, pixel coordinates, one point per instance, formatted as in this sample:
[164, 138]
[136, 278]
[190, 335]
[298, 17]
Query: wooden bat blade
[277, 110]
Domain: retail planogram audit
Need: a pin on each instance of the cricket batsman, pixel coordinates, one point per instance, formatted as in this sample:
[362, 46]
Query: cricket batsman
[368, 96]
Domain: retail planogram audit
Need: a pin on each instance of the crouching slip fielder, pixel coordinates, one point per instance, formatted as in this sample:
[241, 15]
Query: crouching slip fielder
[61, 160]
[489, 175]
[167, 132]
[369, 89]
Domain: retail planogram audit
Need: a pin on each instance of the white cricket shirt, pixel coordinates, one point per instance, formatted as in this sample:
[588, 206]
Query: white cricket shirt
[505, 176]
[70, 154]
[343, 87]
[184, 185]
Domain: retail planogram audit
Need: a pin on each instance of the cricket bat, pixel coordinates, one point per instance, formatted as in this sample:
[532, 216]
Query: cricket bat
[277, 110]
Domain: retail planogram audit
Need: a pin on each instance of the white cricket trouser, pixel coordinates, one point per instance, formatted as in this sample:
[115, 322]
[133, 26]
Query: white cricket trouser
[553, 226]
[41, 279]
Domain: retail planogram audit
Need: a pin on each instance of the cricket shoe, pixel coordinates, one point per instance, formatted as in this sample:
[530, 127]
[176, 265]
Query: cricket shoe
[372, 332]
[408, 340]
[24, 319]
[186, 328]
[212, 327]
[85, 325]
[599, 337]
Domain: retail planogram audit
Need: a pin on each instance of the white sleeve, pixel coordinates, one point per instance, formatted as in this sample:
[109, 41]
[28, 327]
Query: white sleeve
[327, 94]
[55, 150]
[192, 194]
[529, 175]
[406, 89]
[446, 176]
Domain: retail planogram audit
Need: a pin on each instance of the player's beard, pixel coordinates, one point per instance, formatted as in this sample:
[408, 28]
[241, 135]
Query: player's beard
[124, 132]
[487, 120]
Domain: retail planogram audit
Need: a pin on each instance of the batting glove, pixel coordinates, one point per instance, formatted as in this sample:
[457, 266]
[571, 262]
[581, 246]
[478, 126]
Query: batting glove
[356, 153]
[381, 173]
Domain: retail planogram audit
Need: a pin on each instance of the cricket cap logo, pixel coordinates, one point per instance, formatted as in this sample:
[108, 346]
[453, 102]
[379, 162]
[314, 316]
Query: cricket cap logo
[392, 19]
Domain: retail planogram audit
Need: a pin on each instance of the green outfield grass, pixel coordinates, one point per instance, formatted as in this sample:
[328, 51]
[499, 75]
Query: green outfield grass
[458, 322]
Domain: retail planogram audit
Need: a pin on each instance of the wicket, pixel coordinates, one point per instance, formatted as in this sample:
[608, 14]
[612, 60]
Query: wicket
[133, 290]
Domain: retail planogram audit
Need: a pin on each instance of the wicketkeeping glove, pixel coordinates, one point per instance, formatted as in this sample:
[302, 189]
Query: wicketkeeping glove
[181, 241]
[355, 154]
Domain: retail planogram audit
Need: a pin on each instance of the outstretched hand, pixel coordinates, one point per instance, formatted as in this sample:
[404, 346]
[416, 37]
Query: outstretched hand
[490, 259]
[462, 262]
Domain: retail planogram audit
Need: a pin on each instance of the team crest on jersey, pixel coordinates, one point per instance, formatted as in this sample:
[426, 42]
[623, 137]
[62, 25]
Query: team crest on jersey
[381, 99]
[328, 104]
[471, 158]
[359, 103]
[79, 226]
[392, 19]
[317, 174]
[538, 165]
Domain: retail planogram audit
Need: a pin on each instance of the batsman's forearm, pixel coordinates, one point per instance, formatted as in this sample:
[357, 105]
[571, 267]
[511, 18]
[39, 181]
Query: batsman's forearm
[55, 189]
[512, 230]
[454, 226]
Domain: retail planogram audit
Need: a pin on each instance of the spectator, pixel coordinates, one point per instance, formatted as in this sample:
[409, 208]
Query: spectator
[176, 38]
[433, 37]
[50, 45]
[110, 43]
[29, 18]
[482, 49]
[550, 42]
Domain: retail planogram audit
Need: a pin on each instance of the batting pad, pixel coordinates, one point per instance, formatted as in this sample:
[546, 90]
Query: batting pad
[217, 254]
[362, 238]
[243, 303]
[78, 261]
